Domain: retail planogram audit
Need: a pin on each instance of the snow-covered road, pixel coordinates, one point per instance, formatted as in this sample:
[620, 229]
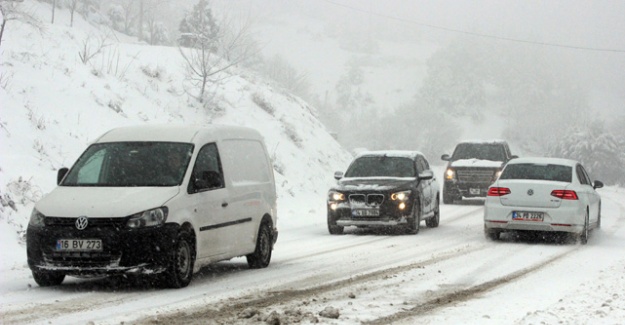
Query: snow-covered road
[449, 274]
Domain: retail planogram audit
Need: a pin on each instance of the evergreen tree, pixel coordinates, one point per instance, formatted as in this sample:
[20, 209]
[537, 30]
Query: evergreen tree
[199, 28]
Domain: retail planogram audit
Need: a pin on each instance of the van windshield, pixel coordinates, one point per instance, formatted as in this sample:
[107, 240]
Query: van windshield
[130, 164]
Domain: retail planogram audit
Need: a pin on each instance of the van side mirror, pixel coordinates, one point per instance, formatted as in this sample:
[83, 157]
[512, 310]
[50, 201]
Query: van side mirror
[61, 174]
[597, 184]
[445, 157]
[338, 175]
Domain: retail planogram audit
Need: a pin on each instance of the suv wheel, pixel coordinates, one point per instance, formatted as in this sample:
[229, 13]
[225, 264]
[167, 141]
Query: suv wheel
[415, 220]
[333, 228]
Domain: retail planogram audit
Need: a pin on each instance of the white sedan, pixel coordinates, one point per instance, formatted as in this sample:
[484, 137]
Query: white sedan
[543, 194]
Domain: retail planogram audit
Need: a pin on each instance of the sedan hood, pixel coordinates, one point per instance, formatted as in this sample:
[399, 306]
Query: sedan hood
[374, 184]
[103, 202]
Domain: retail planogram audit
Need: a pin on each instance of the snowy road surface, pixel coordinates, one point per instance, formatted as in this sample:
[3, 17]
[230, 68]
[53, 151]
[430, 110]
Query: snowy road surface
[449, 274]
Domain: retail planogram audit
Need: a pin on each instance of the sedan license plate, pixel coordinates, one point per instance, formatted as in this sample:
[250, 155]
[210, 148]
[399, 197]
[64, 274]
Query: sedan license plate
[366, 213]
[79, 245]
[528, 216]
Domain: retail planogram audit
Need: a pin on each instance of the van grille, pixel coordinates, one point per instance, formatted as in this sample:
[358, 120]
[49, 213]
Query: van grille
[60, 222]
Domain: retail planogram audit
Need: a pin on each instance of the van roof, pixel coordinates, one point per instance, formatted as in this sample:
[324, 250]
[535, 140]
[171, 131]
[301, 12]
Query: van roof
[177, 133]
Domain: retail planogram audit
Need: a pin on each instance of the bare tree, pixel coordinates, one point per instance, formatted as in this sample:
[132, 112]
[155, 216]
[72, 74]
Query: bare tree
[203, 67]
[11, 10]
[235, 39]
[73, 5]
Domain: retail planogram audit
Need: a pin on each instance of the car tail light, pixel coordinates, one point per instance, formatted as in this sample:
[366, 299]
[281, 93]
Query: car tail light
[498, 191]
[564, 194]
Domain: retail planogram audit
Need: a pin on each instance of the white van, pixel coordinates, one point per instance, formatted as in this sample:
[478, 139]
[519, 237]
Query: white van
[163, 200]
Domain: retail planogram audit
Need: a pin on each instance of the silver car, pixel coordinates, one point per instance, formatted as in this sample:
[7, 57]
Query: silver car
[543, 194]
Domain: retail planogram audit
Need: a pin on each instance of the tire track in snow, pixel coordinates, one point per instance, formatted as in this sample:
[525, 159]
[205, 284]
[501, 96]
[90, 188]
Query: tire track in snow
[457, 296]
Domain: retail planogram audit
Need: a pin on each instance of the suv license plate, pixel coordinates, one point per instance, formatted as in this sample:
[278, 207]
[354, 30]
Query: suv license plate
[366, 213]
[79, 245]
[528, 216]
[474, 191]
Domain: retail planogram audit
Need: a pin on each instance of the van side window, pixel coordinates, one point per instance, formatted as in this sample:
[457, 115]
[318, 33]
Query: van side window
[207, 172]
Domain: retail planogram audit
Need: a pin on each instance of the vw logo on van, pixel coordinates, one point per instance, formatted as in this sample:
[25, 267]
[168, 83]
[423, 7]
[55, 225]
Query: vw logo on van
[82, 222]
[530, 192]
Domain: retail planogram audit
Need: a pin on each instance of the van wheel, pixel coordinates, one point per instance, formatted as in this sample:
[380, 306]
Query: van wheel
[435, 219]
[180, 270]
[262, 255]
[47, 278]
[415, 221]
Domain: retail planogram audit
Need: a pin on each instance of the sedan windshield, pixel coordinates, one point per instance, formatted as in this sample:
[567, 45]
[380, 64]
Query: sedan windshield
[381, 166]
[556, 173]
[128, 164]
[483, 151]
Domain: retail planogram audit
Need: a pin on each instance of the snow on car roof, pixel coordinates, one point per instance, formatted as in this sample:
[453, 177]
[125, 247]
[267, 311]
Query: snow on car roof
[173, 133]
[543, 161]
[390, 153]
[479, 141]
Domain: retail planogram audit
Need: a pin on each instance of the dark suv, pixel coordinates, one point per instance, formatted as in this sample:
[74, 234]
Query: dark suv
[472, 168]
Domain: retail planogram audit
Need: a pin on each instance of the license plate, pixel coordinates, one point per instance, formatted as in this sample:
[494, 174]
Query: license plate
[79, 245]
[474, 191]
[366, 213]
[528, 216]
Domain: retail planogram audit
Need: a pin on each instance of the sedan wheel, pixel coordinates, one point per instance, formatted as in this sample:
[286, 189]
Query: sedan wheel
[583, 237]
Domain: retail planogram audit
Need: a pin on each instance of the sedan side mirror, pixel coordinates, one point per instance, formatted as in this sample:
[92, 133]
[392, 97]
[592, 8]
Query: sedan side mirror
[445, 157]
[597, 184]
[338, 175]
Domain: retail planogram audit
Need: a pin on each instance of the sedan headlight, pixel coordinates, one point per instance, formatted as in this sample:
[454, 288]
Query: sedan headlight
[401, 196]
[450, 174]
[336, 196]
[37, 219]
[149, 218]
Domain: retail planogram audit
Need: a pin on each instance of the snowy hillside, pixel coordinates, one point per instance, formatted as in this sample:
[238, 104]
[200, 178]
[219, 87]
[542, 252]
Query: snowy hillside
[54, 105]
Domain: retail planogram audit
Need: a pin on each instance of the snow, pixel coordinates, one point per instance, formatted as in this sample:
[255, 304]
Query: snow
[54, 106]
[476, 163]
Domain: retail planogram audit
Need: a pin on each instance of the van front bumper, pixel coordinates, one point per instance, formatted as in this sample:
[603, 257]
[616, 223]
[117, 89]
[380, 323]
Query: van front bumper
[139, 251]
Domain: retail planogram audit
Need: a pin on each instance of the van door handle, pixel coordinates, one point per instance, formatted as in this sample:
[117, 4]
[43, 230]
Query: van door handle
[225, 204]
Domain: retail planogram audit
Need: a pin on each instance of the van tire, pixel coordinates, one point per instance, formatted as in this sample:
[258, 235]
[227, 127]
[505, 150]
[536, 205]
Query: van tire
[180, 270]
[262, 254]
[47, 278]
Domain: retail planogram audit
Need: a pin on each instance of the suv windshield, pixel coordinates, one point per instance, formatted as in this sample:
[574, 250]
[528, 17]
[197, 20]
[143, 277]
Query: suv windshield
[124, 164]
[381, 166]
[555, 173]
[483, 151]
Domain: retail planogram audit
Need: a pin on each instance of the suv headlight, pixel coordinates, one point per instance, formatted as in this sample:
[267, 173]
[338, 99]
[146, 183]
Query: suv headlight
[149, 218]
[336, 196]
[450, 174]
[37, 219]
[401, 196]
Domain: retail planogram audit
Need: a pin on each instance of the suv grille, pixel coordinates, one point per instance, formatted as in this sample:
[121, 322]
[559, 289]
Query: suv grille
[369, 199]
[475, 175]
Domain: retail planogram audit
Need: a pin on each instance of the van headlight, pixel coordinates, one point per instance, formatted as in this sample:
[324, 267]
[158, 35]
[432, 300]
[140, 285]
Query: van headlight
[37, 219]
[149, 218]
